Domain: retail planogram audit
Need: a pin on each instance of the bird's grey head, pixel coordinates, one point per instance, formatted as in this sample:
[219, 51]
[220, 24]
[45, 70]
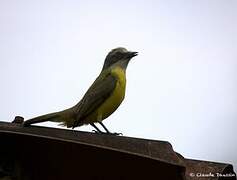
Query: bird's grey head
[118, 56]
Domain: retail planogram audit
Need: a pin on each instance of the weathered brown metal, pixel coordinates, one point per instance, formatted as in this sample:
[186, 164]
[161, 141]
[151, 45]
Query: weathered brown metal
[49, 153]
[198, 170]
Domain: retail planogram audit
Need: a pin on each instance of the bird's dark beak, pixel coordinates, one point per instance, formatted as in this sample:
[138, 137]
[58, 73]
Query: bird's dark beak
[132, 54]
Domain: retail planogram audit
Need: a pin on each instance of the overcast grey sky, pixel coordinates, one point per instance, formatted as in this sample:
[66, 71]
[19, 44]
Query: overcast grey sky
[181, 88]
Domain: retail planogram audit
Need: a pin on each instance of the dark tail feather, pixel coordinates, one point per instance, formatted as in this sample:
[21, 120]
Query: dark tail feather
[44, 118]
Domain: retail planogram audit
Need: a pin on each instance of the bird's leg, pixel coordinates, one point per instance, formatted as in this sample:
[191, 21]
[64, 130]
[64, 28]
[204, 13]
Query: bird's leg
[97, 129]
[108, 132]
[99, 118]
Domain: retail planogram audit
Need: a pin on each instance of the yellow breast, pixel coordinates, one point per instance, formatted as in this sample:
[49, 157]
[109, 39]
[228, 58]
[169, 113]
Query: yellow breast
[113, 102]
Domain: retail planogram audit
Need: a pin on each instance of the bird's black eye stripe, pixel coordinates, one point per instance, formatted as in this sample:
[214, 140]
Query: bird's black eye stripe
[119, 55]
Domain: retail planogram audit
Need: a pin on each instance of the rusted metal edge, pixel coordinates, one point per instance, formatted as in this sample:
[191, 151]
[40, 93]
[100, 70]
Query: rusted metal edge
[196, 169]
[100, 141]
[161, 151]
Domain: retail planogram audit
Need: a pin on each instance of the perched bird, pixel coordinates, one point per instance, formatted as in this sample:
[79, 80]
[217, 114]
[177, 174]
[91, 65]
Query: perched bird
[102, 98]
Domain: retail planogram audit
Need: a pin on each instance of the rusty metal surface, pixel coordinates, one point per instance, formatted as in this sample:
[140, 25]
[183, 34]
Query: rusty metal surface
[204, 170]
[66, 154]
[158, 150]
[50, 153]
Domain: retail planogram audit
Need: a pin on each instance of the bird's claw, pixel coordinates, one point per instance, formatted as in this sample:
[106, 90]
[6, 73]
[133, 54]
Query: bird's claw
[107, 133]
[116, 134]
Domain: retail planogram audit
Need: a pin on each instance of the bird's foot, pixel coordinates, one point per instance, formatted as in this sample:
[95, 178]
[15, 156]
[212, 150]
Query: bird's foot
[115, 134]
[107, 133]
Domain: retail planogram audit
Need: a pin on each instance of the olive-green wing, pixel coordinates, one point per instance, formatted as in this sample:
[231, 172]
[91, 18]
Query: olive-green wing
[99, 91]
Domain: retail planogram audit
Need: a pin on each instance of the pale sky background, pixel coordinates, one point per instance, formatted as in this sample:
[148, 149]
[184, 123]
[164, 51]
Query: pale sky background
[181, 88]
